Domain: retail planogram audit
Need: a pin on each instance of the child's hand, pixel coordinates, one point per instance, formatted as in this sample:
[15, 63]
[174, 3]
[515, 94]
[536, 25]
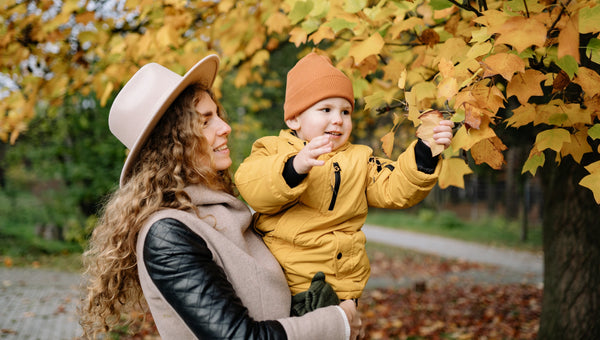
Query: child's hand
[307, 157]
[435, 131]
[442, 134]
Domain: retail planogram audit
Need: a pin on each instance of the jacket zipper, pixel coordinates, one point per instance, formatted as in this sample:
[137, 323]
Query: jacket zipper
[336, 185]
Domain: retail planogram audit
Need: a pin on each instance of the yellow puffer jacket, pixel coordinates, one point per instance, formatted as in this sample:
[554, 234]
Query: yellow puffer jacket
[316, 226]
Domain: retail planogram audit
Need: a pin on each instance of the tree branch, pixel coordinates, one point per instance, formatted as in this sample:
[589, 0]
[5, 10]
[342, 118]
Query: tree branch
[466, 6]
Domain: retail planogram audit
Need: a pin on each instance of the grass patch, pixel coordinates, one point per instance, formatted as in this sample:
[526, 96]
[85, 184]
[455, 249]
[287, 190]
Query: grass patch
[21, 246]
[495, 231]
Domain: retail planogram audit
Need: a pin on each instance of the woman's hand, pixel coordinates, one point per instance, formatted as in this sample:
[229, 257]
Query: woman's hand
[356, 331]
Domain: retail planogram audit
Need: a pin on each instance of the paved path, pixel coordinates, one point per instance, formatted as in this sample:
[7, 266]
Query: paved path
[41, 304]
[37, 304]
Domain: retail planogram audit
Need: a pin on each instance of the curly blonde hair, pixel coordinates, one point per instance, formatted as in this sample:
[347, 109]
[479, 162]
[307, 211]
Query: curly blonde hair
[175, 155]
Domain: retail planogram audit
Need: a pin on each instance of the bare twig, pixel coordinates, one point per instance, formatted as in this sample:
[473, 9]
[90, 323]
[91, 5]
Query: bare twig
[466, 6]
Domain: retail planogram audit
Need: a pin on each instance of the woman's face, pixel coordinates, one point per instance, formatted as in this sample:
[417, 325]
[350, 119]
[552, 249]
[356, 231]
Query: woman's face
[215, 131]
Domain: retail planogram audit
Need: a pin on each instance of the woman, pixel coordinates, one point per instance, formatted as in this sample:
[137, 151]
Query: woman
[175, 234]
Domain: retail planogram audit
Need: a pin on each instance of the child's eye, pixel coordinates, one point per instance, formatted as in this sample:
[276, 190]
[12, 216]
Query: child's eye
[326, 109]
[346, 112]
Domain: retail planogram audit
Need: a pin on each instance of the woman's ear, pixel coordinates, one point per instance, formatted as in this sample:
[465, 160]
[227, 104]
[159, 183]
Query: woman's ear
[293, 123]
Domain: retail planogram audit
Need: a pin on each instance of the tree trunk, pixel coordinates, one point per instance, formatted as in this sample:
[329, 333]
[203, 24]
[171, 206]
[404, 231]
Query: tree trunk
[571, 237]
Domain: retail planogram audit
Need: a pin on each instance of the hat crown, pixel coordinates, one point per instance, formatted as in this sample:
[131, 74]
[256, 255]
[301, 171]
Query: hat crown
[135, 106]
[311, 80]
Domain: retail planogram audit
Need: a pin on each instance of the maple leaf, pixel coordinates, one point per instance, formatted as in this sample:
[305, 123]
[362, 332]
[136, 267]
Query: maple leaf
[429, 120]
[552, 139]
[525, 85]
[388, 143]
[465, 138]
[521, 33]
[589, 80]
[453, 172]
[577, 146]
[592, 182]
[369, 46]
[568, 38]
[535, 160]
[504, 64]
[522, 115]
[489, 151]
[277, 22]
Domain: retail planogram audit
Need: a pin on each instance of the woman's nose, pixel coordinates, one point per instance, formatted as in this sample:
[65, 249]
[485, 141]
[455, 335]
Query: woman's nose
[224, 129]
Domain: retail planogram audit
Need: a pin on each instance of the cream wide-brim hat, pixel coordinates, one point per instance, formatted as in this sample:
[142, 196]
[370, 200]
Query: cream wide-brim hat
[145, 98]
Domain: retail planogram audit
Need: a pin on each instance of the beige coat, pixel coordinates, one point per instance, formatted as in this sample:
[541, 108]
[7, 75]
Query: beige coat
[316, 226]
[254, 273]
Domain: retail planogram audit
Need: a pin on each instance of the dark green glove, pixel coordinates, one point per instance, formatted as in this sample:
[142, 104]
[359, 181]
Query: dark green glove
[319, 294]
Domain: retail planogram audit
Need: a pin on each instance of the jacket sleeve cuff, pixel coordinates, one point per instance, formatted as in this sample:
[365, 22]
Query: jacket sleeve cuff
[292, 178]
[426, 163]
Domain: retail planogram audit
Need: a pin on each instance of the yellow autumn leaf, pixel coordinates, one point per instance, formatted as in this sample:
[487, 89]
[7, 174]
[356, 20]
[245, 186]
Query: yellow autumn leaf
[447, 88]
[429, 120]
[522, 115]
[369, 46]
[298, 36]
[504, 64]
[489, 151]
[552, 139]
[453, 172]
[525, 85]
[277, 23]
[521, 32]
[387, 143]
[568, 38]
[577, 146]
[402, 80]
[592, 182]
[465, 140]
[588, 80]
[106, 94]
[323, 33]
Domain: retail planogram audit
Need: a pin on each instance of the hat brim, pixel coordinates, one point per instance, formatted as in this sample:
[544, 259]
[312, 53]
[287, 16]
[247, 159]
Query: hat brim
[203, 72]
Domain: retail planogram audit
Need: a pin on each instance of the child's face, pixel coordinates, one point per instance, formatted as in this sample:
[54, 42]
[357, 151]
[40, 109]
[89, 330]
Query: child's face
[330, 117]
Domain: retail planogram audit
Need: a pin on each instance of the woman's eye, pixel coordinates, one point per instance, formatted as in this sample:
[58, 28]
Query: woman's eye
[346, 112]
[326, 109]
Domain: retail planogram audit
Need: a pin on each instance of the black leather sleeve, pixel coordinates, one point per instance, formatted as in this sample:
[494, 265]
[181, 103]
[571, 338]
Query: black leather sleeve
[181, 265]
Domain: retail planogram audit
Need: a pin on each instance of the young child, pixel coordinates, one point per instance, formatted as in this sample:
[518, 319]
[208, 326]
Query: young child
[311, 188]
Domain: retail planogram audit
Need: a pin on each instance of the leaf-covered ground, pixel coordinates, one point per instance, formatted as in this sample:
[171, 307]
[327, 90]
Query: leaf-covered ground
[433, 299]
[413, 296]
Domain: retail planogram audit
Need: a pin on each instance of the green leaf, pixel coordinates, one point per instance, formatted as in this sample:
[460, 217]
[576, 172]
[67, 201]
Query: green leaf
[588, 19]
[353, 6]
[569, 65]
[558, 119]
[593, 50]
[300, 11]
[533, 163]
[440, 4]
[594, 131]
[338, 24]
[552, 139]
[310, 25]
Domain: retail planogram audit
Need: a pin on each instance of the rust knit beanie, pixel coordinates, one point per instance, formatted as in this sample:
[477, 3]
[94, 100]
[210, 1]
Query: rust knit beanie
[311, 80]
